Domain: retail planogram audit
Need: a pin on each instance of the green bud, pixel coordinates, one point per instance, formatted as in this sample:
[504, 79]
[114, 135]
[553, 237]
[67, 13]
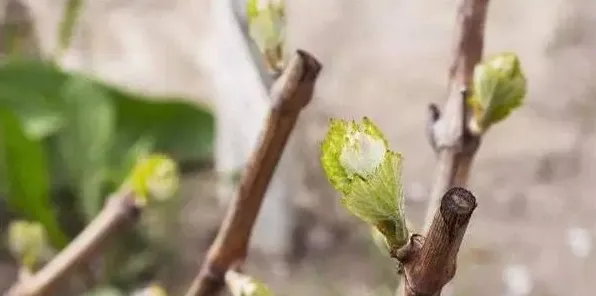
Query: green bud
[154, 177]
[359, 165]
[28, 242]
[499, 87]
[266, 21]
[244, 285]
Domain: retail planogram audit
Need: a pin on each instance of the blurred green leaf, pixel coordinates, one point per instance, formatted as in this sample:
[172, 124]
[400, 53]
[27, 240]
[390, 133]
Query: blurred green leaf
[86, 141]
[34, 90]
[23, 161]
[93, 134]
[30, 90]
[177, 128]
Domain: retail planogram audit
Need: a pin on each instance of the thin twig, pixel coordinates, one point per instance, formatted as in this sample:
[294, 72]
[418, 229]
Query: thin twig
[118, 210]
[449, 134]
[430, 263]
[290, 94]
[434, 260]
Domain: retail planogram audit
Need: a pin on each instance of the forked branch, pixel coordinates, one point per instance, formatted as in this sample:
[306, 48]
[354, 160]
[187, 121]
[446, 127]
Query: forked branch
[449, 133]
[291, 92]
[429, 261]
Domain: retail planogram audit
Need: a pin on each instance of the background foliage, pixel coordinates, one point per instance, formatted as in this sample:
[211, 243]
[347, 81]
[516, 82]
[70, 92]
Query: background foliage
[68, 140]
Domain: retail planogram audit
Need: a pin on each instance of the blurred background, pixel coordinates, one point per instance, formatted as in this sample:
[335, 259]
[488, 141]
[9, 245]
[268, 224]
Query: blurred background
[181, 76]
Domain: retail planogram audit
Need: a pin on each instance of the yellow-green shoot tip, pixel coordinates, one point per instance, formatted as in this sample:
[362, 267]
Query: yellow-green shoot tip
[154, 177]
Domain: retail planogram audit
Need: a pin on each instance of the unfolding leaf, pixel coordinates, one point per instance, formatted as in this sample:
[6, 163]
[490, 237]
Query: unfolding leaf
[331, 148]
[499, 87]
[358, 164]
[378, 200]
[23, 162]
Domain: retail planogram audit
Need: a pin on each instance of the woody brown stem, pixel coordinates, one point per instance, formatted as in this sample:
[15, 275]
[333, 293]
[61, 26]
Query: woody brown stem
[455, 146]
[291, 92]
[450, 136]
[430, 263]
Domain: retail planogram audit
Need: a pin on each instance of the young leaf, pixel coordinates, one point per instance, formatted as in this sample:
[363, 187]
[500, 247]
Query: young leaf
[359, 165]
[499, 87]
[23, 161]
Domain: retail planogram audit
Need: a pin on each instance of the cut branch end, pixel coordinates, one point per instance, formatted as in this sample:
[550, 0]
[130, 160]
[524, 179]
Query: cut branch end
[428, 266]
